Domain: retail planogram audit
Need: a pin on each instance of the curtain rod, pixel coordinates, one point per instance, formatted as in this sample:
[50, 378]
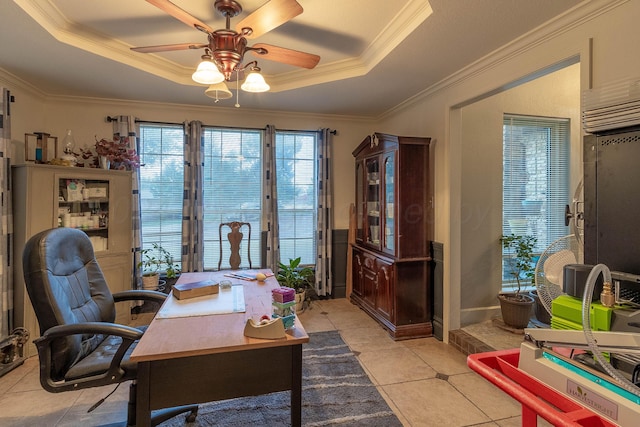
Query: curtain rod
[113, 119]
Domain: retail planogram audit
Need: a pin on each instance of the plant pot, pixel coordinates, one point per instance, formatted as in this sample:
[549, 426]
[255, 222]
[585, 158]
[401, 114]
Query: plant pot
[541, 312]
[150, 281]
[104, 162]
[516, 310]
[300, 297]
[169, 282]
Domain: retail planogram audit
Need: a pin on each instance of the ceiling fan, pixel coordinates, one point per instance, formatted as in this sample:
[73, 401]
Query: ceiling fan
[226, 47]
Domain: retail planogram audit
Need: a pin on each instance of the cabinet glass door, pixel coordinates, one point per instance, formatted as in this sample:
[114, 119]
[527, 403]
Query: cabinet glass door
[373, 201]
[84, 204]
[360, 201]
[389, 207]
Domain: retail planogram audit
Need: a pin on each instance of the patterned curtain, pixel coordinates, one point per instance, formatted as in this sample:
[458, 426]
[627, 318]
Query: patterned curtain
[192, 204]
[6, 226]
[126, 127]
[324, 280]
[270, 192]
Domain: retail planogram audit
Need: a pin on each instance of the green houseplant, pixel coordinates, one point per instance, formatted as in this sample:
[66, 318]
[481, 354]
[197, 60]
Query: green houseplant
[293, 276]
[153, 259]
[520, 267]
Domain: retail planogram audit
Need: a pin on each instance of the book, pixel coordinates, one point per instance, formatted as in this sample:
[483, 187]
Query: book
[195, 289]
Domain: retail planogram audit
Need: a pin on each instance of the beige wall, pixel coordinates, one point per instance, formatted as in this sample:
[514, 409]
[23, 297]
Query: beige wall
[554, 95]
[612, 27]
[35, 112]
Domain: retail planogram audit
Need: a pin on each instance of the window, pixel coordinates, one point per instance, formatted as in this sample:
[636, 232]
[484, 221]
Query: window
[232, 189]
[296, 162]
[161, 183]
[535, 178]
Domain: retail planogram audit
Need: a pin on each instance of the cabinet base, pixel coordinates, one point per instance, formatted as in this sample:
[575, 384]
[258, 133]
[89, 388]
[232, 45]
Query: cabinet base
[397, 332]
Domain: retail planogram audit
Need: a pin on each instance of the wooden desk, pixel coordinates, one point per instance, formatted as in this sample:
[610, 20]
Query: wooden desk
[200, 359]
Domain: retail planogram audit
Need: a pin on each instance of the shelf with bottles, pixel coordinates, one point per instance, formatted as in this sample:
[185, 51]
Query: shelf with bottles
[84, 204]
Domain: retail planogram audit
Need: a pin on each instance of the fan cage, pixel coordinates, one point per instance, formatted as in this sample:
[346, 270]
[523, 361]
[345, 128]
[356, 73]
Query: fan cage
[547, 290]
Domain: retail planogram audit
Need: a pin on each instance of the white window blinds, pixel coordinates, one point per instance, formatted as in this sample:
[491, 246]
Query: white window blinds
[535, 177]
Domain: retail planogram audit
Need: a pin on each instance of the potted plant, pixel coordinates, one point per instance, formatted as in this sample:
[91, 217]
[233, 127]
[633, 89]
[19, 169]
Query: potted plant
[520, 266]
[172, 269]
[299, 278]
[152, 261]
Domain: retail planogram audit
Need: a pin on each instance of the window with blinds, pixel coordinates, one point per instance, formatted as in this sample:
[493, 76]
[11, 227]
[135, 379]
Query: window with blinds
[161, 183]
[232, 190]
[535, 178]
[296, 178]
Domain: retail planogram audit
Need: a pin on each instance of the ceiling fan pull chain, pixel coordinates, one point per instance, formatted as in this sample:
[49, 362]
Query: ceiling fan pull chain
[237, 88]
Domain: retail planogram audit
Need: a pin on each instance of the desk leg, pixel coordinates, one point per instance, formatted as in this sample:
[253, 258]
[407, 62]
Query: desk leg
[143, 404]
[296, 386]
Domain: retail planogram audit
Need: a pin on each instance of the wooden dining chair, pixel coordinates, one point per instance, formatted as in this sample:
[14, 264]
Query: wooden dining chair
[234, 238]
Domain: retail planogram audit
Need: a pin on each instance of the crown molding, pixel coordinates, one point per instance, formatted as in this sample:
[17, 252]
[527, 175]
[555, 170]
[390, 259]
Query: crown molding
[569, 20]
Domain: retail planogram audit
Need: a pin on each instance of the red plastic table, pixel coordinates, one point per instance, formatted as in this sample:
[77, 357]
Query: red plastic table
[501, 369]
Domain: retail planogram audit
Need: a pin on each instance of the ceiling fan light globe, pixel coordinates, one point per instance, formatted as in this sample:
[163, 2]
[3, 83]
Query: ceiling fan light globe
[255, 83]
[218, 91]
[207, 73]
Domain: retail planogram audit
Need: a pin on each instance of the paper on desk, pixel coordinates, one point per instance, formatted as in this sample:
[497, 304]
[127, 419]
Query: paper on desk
[226, 301]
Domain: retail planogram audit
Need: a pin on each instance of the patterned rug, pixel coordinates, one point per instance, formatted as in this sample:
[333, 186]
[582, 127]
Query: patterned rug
[335, 392]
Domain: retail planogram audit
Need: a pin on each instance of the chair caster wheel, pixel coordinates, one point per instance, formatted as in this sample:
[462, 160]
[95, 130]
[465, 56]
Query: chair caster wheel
[192, 416]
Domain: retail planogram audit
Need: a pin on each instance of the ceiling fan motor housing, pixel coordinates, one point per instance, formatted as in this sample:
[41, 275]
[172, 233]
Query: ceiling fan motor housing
[227, 47]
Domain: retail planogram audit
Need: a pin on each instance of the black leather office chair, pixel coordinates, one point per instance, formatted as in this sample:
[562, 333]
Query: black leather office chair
[234, 236]
[80, 346]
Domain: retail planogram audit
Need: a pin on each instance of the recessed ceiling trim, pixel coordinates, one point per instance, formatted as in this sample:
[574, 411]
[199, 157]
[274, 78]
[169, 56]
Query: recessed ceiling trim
[49, 17]
[406, 21]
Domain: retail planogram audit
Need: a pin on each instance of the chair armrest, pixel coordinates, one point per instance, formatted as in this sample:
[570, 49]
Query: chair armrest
[139, 294]
[112, 375]
[126, 332]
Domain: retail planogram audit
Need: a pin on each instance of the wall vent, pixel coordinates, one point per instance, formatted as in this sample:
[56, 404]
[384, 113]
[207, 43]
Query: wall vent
[615, 105]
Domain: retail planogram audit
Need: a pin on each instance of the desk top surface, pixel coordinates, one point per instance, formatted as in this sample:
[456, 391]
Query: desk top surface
[215, 333]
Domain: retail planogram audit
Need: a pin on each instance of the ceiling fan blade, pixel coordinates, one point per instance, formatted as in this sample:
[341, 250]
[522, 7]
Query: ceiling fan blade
[286, 56]
[169, 47]
[181, 15]
[269, 16]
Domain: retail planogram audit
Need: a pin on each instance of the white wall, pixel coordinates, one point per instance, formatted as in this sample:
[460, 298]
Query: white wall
[612, 28]
[35, 112]
[554, 95]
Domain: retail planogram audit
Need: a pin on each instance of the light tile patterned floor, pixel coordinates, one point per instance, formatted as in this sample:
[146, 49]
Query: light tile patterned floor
[426, 382]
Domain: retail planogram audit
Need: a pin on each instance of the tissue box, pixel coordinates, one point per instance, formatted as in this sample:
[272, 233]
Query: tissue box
[195, 289]
[283, 294]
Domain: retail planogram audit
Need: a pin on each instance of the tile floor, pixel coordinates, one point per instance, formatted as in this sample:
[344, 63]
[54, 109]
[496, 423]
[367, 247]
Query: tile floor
[425, 382]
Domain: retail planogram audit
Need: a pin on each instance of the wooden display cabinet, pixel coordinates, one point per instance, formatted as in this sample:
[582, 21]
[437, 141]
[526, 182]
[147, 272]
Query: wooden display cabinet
[391, 259]
[95, 201]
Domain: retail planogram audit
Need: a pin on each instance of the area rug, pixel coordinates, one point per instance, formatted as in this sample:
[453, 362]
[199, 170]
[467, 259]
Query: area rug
[335, 392]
